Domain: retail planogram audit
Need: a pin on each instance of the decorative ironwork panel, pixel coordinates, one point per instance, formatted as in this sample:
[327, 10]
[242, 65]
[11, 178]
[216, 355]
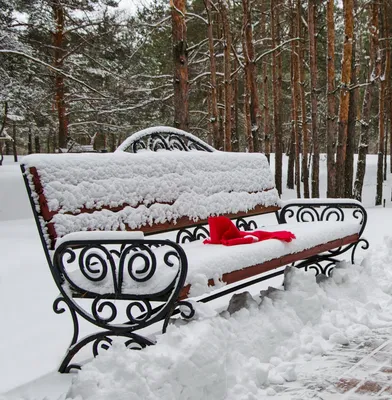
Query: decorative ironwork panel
[166, 141]
[323, 211]
[147, 275]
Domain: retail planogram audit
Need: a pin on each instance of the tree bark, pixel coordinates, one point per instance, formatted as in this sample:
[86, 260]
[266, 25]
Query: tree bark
[383, 84]
[312, 30]
[180, 60]
[235, 144]
[58, 50]
[14, 149]
[295, 96]
[275, 96]
[227, 74]
[352, 119]
[373, 73]
[250, 66]
[301, 75]
[348, 7]
[266, 119]
[217, 140]
[331, 101]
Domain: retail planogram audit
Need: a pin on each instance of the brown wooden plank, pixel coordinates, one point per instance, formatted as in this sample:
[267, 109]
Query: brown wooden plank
[253, 270]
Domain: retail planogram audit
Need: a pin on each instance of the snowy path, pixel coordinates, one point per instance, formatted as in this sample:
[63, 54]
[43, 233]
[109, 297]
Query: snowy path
[359, 370]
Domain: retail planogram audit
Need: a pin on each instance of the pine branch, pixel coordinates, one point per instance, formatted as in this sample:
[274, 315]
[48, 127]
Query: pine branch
[59, 71]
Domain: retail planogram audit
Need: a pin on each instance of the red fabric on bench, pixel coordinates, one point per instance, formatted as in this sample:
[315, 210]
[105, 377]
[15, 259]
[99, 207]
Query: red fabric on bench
[223, 231]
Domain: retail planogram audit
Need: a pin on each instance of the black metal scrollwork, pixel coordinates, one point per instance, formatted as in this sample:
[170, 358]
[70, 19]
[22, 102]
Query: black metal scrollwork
[323, 211]
[244, 225]
[108, 271]
[165, 140]
[321, 265]
[198, 232]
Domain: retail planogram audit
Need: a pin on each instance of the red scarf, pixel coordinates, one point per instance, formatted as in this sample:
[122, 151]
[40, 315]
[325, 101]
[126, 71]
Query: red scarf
[223, 231]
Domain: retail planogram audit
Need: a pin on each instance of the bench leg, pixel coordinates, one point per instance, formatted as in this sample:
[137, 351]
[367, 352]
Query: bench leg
[99, 340]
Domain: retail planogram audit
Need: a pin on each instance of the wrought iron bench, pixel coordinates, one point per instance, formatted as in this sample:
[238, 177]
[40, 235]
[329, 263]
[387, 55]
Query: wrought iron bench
[122, 232]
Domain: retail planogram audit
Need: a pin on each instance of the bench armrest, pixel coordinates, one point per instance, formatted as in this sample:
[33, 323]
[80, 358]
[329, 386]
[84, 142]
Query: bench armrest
[310, 210]
[137, 270]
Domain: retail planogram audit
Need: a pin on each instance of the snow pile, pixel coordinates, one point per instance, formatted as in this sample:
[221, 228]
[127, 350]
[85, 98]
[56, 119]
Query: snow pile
[242, 356]
[154, 187]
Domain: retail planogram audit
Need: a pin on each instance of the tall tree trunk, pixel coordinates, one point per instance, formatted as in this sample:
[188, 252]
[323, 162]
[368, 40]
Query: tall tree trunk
[180, 59]
[348, 7]
[312, 31]
[382, 91]
[14, 149]
[331, 101]
[217, 140]
[386, 147]
[266, 119]
[29, 141]
[58, 49]
[295, 95]
[275, 96]
[352, 119]
[248, 127]
[373, 74]
[227, 74]
[301, 75]
[235, 144]
[250, 66]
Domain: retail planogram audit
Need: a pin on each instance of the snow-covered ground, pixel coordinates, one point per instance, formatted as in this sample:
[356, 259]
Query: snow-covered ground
[269, 349]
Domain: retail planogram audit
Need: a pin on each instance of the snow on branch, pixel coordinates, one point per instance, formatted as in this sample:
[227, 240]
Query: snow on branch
[18, 53]
[276, 48]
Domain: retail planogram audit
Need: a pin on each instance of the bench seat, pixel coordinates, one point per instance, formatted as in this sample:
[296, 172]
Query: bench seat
[211, 265]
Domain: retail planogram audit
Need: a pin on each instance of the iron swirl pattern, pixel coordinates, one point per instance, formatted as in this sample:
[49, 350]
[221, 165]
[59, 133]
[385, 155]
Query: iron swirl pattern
[323, 211]
[244, 225]
[166, 141]
[147, 275]
[191, 234]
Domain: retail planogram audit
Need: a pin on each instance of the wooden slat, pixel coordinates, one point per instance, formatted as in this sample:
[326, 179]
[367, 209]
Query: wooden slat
[253, 270]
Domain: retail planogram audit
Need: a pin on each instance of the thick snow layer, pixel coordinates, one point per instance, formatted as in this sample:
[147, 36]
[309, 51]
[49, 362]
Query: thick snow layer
[212, 261]
[100, 235]
[248, 354]
[155, 187]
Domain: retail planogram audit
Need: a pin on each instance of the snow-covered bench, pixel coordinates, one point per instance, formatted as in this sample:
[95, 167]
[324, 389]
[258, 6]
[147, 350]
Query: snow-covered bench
[130, 226]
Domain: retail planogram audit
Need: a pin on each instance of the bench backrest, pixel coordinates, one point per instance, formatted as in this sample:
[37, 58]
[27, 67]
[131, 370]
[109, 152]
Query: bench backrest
[152, 192]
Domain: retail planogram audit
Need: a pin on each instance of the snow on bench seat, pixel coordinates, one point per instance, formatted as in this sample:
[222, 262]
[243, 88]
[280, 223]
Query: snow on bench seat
[124, 191]
[211, 265]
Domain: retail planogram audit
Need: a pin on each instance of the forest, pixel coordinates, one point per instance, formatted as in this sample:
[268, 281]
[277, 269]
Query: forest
[305, 79]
